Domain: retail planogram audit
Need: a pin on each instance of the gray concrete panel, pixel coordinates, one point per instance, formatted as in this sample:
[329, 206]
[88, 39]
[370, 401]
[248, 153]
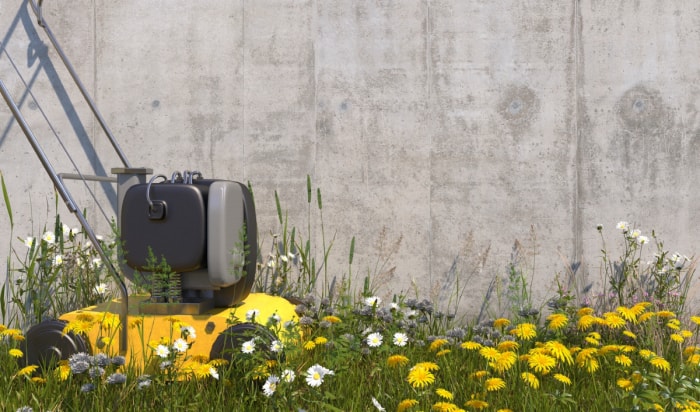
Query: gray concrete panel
[460, 128]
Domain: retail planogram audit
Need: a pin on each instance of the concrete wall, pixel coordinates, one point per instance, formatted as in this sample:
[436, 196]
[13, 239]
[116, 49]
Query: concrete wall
[460, 128]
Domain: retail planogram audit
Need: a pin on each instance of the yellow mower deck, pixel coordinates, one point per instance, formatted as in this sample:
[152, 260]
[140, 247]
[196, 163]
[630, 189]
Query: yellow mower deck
[146, 330]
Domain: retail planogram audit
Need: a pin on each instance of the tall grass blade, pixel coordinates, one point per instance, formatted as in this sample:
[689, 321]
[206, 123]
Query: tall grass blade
[7, 200]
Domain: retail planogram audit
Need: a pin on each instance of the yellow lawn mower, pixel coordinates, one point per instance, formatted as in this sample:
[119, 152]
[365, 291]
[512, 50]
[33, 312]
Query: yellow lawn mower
[191, 241]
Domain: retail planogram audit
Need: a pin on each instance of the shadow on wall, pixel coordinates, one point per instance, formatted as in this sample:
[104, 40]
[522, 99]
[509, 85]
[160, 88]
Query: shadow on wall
[37, 59]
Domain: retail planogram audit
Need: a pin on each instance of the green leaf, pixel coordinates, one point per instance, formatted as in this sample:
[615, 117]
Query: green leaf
[352, 249]
[7, 200]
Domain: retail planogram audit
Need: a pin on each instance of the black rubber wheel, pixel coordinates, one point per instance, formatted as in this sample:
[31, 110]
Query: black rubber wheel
[229, 342]
[45, 344]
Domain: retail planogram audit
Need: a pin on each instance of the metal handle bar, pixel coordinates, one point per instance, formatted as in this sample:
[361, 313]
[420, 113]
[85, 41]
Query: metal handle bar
[70, 203]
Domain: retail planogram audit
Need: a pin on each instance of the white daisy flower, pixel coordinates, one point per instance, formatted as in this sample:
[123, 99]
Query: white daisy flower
[248, 346]
[188, 331]
[180, 345]
[276, 346]
[622, 225]
[48, 237]
[642, 240]
[251, 315]
[29, 241]
[162, 351]
[374, 339]
[57, 260]
[373, 301]
[101, 289]
[288, 375]
[315, 375]
[214, 373]
[400, 339]
[378, 405]
[270, 385]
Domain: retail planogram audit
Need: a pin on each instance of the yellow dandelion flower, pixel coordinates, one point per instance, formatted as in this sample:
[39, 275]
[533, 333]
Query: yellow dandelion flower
[16, 353]
[331, 319]
[320, 340]
[470, 345]
[437, 344]
[586, 311]
[2, 328]
[309, 345]
[541, 363]
[443, 352]
[674, 324]
[614, 321]
[444, 394]
[530, 379]
[62, 371]
[396, 360]
[430, 366]
[592, 365]
[38, 379]
[504, 410]
[476, 404]
[504, 361]
[585, 322]
[27, 370]
[489, 353]
[479, 374]
[686, 333]
[525, 331]
[406, 404]
[636, 377]
[591, 341]
[218, 362]
[623, 360]
[136, 323]
[658, 408]
[667, 314]
[445, 407]
[494, 384]
[420, 377]
[200, 370]
[501, 323]
[585, 354]
[693, 359]
[562, 378]
[689, 350]
[110, 321]
[676, 337]
[660, 363]
[627, 313]
[609, 349]
[557, 321]
[625, 384]
[646, 353]
[695, 319]
[627, 348]
[640, 308]
[10, 332]
[507, 345]
[559, 351]
[645, 316]
[173, 319]
[629, 334]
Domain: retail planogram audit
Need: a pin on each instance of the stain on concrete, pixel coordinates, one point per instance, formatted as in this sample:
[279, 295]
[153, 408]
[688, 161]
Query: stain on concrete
[641, 109]
[518, 106]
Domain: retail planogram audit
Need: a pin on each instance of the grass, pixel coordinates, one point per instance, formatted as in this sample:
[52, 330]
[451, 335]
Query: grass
[631, 346]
